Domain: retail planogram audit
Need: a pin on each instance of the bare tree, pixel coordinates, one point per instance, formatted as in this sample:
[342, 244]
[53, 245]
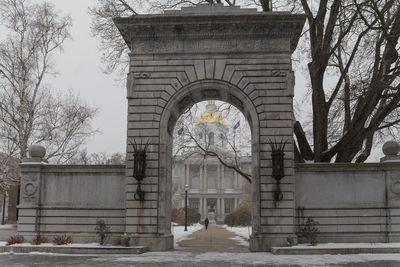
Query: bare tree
[102, 158]
[29, 111]
[352, 48]
[8, 172]
[355, 43]
[191, 139]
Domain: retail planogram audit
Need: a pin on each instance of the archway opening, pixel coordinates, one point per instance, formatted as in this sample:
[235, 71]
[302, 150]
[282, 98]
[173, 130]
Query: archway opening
[212, 175]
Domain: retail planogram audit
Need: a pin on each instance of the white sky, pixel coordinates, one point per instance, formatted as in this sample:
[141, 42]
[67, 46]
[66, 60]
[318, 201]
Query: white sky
[80, 70]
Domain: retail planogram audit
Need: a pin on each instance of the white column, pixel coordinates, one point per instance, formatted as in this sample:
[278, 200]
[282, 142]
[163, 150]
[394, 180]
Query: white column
[201, 177]
[205, 207]
[205, 176]
[219, 184]
[222, 177]
[201, 208]
[187, 175]
[223, 207]
[218, 207]
[237, 177]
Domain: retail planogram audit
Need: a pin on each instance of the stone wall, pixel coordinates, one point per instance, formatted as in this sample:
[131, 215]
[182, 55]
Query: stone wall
[59, 199]
[351, 202]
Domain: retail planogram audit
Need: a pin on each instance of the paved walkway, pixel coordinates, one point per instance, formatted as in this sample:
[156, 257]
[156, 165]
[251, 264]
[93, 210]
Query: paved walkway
[215, 239]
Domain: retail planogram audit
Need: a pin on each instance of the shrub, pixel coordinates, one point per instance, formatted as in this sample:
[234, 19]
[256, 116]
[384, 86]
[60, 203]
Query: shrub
[39, 240]
[62, 239]
[15, 239]
[178, 215]
[241, 216]
[193, 216]
[310, 231]
[102, 230]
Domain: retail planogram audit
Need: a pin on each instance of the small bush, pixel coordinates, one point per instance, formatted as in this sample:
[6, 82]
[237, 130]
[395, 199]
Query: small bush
[102, 230]
[15, 239]
[310, 231]
[178, 215]
[39, 240]
[193, 216]
[62, 240]
[241, 216]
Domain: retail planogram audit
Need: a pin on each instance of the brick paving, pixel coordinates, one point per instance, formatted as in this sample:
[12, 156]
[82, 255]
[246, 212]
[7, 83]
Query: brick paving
[216, 238]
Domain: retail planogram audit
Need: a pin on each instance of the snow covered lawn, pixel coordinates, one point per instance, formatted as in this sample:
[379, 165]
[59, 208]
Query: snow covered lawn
[80, 245]
[243, 231]
[180, 234]
[259, 258]
[347, 245]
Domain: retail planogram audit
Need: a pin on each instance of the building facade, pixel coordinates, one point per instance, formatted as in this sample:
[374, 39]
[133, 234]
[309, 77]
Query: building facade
[214, 189]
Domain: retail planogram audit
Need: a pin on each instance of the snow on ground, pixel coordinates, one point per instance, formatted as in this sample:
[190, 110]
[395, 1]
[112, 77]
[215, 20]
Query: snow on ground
[240, 241]
[180, 234]
[347, 245]
[262, 258]
[8, 226]
[244, 231]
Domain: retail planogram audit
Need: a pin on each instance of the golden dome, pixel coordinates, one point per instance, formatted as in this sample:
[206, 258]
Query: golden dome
[211, 115]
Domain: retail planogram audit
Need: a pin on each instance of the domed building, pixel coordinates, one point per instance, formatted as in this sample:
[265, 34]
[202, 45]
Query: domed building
[214, 190]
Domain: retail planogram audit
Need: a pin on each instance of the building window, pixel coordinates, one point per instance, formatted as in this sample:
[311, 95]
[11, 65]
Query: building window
[229, 202]
[211, 138]
[194, 203]
[222, 138]
[211, 204]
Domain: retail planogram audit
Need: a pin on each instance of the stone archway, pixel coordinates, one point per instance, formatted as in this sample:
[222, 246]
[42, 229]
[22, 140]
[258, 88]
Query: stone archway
[178, 58]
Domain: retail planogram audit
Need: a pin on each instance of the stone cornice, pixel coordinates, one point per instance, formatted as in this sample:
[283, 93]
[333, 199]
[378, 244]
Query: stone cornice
[181, 26]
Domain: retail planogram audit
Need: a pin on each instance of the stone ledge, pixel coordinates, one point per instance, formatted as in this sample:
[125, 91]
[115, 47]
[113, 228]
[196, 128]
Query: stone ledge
[75, 250]
[324, 250]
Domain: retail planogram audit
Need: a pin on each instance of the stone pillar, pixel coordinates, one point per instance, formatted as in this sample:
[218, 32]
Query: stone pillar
[218, 213]
[201, 208]
[205, 176]
[201, 176]
[391, 165]
[30, 192]
[223, 207]
[185, 166]
[205, 208]
[219, 180]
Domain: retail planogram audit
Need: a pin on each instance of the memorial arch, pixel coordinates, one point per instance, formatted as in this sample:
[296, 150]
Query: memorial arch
[240, 56]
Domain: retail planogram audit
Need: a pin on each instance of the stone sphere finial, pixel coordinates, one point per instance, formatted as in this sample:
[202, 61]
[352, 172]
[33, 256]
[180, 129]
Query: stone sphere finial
[391, 148]
[36, 151]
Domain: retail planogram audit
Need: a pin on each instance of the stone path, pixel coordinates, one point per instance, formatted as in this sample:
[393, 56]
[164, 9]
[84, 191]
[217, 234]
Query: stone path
[216, 238]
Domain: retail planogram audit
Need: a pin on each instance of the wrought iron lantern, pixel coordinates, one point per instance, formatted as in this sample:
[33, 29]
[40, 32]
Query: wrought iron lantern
[278, 171]
[139, 168]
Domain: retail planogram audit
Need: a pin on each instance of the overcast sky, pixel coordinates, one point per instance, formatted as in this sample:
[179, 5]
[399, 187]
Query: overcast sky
[80, 70]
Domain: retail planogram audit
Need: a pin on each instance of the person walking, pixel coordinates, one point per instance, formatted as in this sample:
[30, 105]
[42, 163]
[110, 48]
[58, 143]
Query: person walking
[206, 222]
